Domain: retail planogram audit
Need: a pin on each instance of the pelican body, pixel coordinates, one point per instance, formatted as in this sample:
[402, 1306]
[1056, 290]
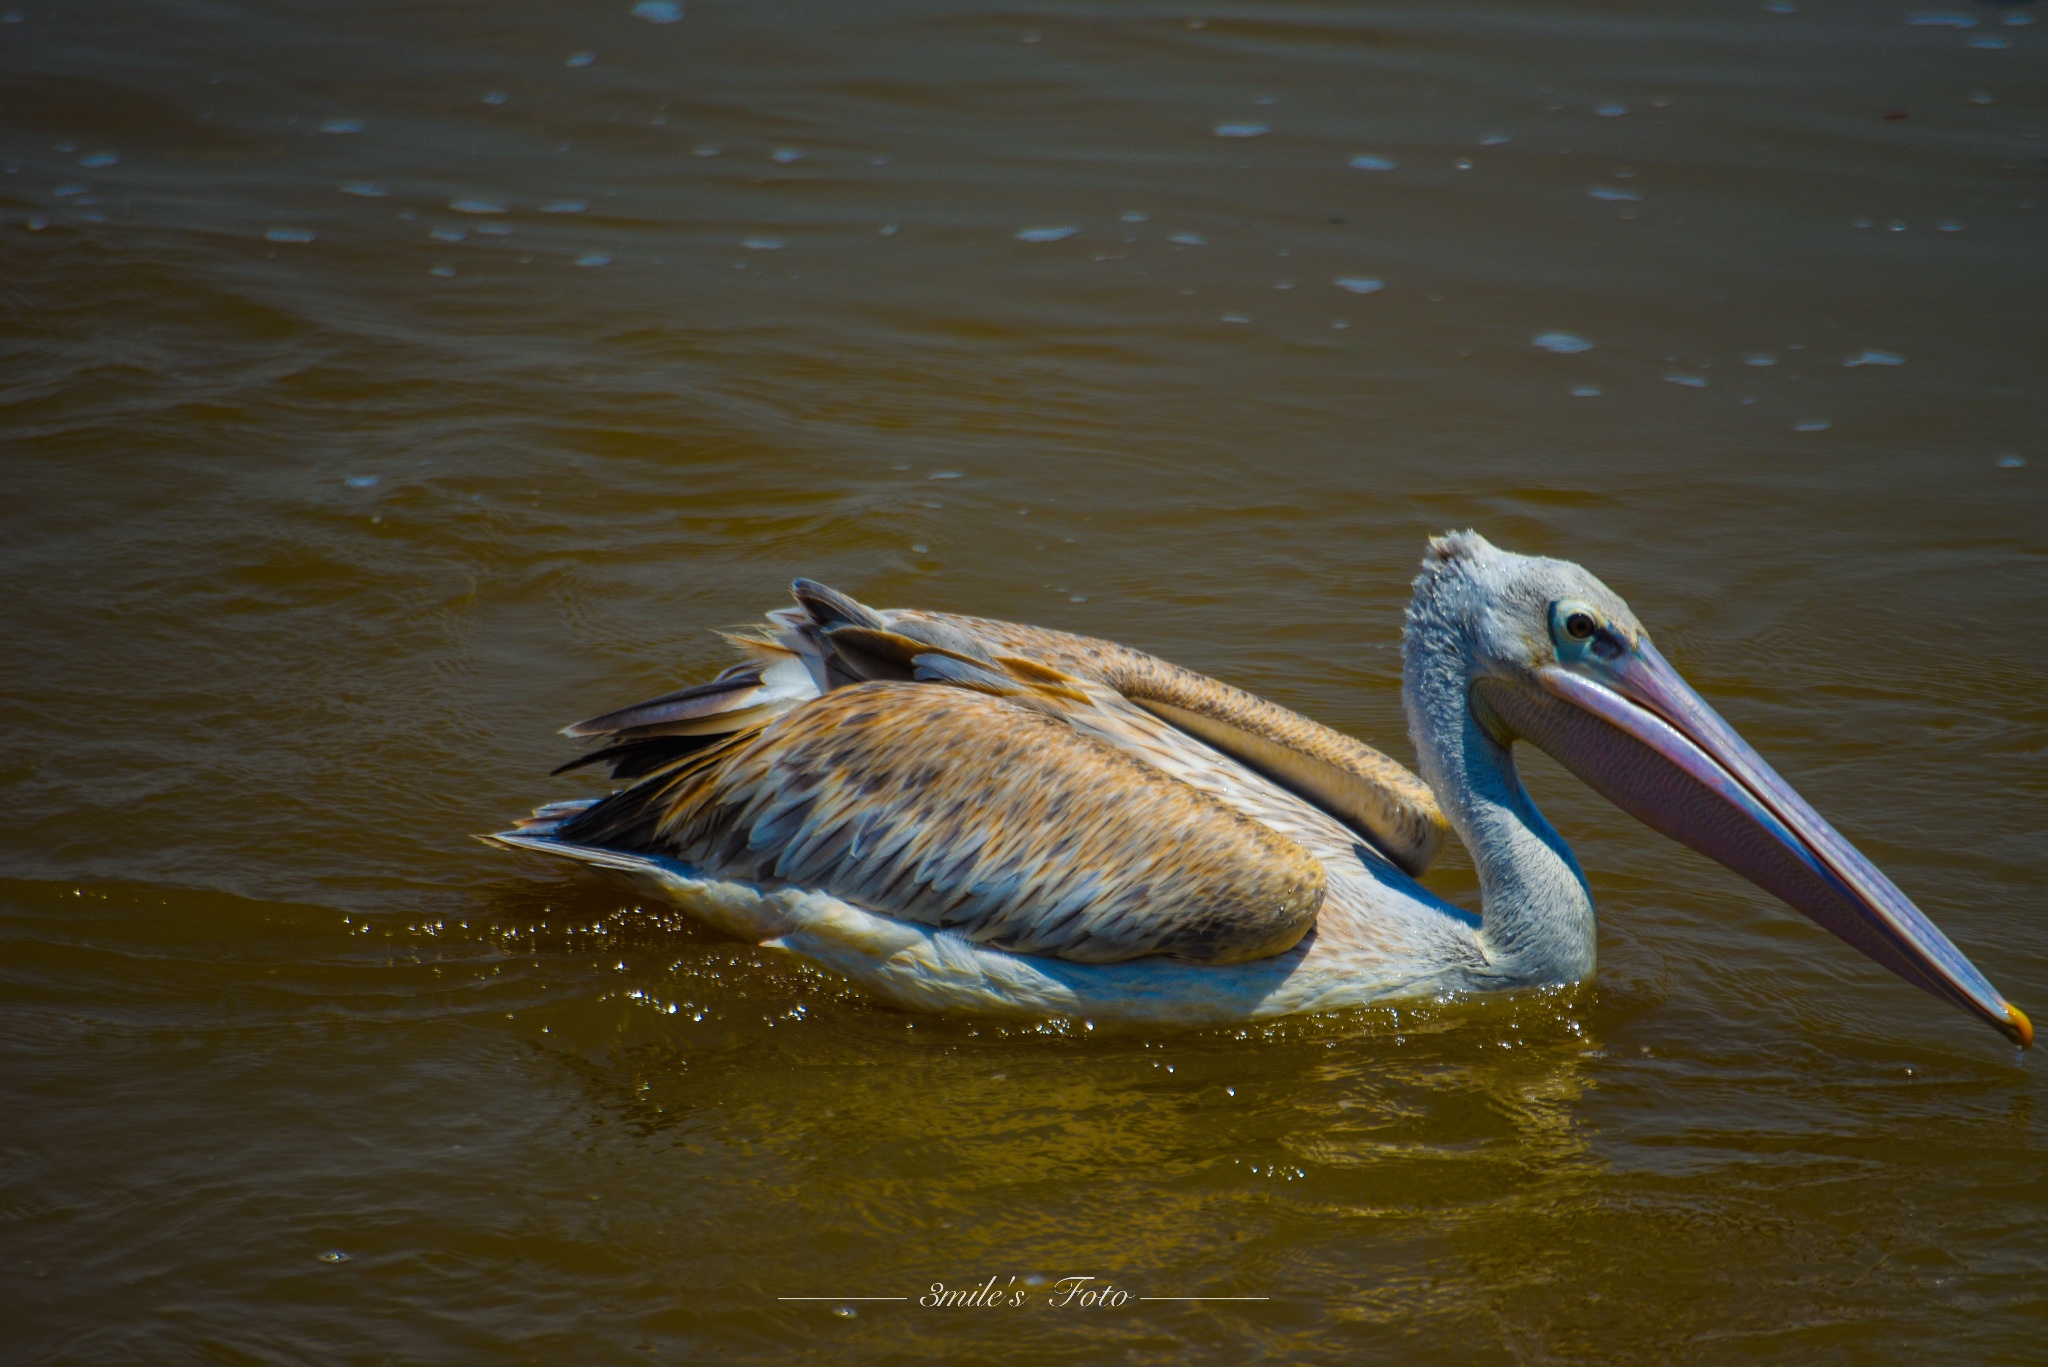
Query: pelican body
[971, 815]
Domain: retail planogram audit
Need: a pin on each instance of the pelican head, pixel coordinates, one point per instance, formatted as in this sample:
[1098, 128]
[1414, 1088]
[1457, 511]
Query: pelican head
[1540, 650]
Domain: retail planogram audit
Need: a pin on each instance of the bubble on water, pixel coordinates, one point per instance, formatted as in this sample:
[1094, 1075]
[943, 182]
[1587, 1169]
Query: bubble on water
[1586, 391]
[341, 125]
[1046, 234]
[593, 259]
[288, 234]
[1812, 425]
[1360, 284]
[495, 97]
[658, 11]
[334, 1255]
[1611, 111]
[1236, 317]
[1494, 140]
[364, 189]
[786, 155]
[1875, 358]
[1760, 359]
[361, 481]
[845, 1312]
[70, 188]
[1188, 239]
[1608, 192]
[99, 159]
[1940, 19]
[1135, 216]
[2010, 462]
[448, 234]
[1562, 343]
[1689, 381]
[1990, 44]
[762, 244]
[1241, 130]
[579, 59]
[1368, 162]
[564, 206]
[476, 206]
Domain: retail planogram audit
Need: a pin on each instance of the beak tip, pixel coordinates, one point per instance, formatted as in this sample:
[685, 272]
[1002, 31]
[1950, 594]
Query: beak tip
[2019, 1027]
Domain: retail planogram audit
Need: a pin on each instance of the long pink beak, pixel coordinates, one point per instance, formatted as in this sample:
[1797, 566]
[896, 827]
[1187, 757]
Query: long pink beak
[1641, 737]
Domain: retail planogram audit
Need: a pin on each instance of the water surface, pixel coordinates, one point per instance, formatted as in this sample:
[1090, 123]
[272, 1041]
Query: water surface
[385, 385]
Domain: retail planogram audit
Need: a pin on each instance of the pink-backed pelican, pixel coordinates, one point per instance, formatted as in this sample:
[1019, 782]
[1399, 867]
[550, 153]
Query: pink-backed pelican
[971, 815]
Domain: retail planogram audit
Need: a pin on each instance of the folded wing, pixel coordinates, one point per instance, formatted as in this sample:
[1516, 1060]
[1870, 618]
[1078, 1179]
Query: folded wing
[983, 811]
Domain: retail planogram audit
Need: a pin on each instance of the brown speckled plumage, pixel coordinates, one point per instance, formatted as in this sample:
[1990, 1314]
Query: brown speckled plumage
[984, 814]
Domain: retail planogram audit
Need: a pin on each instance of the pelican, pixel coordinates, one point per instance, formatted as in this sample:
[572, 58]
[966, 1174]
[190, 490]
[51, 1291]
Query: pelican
[969, 815]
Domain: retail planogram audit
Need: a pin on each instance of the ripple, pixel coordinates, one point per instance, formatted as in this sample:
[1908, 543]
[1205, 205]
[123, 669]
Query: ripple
[1812, 425]
[579, 59]
[593, 259]
[1609, 192]
[786, 155]
[364, 189]
[1689, 381]
[1562, 343]
[495, 97]
[1189, 239]
[341, 125]
[288, 234]
[1235, 318]
[1242, 130]
[448, 234]
[1135, 216]
[1586, 391]
[1055, 234]
[762, 244]
[658, 11]
[1940, 19]
[2010, 462]
[1760, 359]
[476, 206]
[70, 188]
[1360, 284]
[361, 481]
[99, 159]
[1874, 358]
[1611, 111]
[564, 206]
[1366, 162]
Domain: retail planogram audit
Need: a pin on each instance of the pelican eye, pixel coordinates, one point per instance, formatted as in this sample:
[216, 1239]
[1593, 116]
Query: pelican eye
[1580, 626]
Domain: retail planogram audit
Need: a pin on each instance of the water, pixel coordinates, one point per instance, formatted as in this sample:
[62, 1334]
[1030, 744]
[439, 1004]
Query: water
[316, 528]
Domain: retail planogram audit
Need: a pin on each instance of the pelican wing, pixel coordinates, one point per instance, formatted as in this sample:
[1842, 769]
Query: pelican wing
[1361, 787]
[969, 798]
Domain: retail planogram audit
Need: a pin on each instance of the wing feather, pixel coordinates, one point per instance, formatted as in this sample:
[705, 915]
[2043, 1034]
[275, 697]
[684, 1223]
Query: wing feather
[989, 815]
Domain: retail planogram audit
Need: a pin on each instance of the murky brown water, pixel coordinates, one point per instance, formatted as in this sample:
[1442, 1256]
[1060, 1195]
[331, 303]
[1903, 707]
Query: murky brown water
[310, 545]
